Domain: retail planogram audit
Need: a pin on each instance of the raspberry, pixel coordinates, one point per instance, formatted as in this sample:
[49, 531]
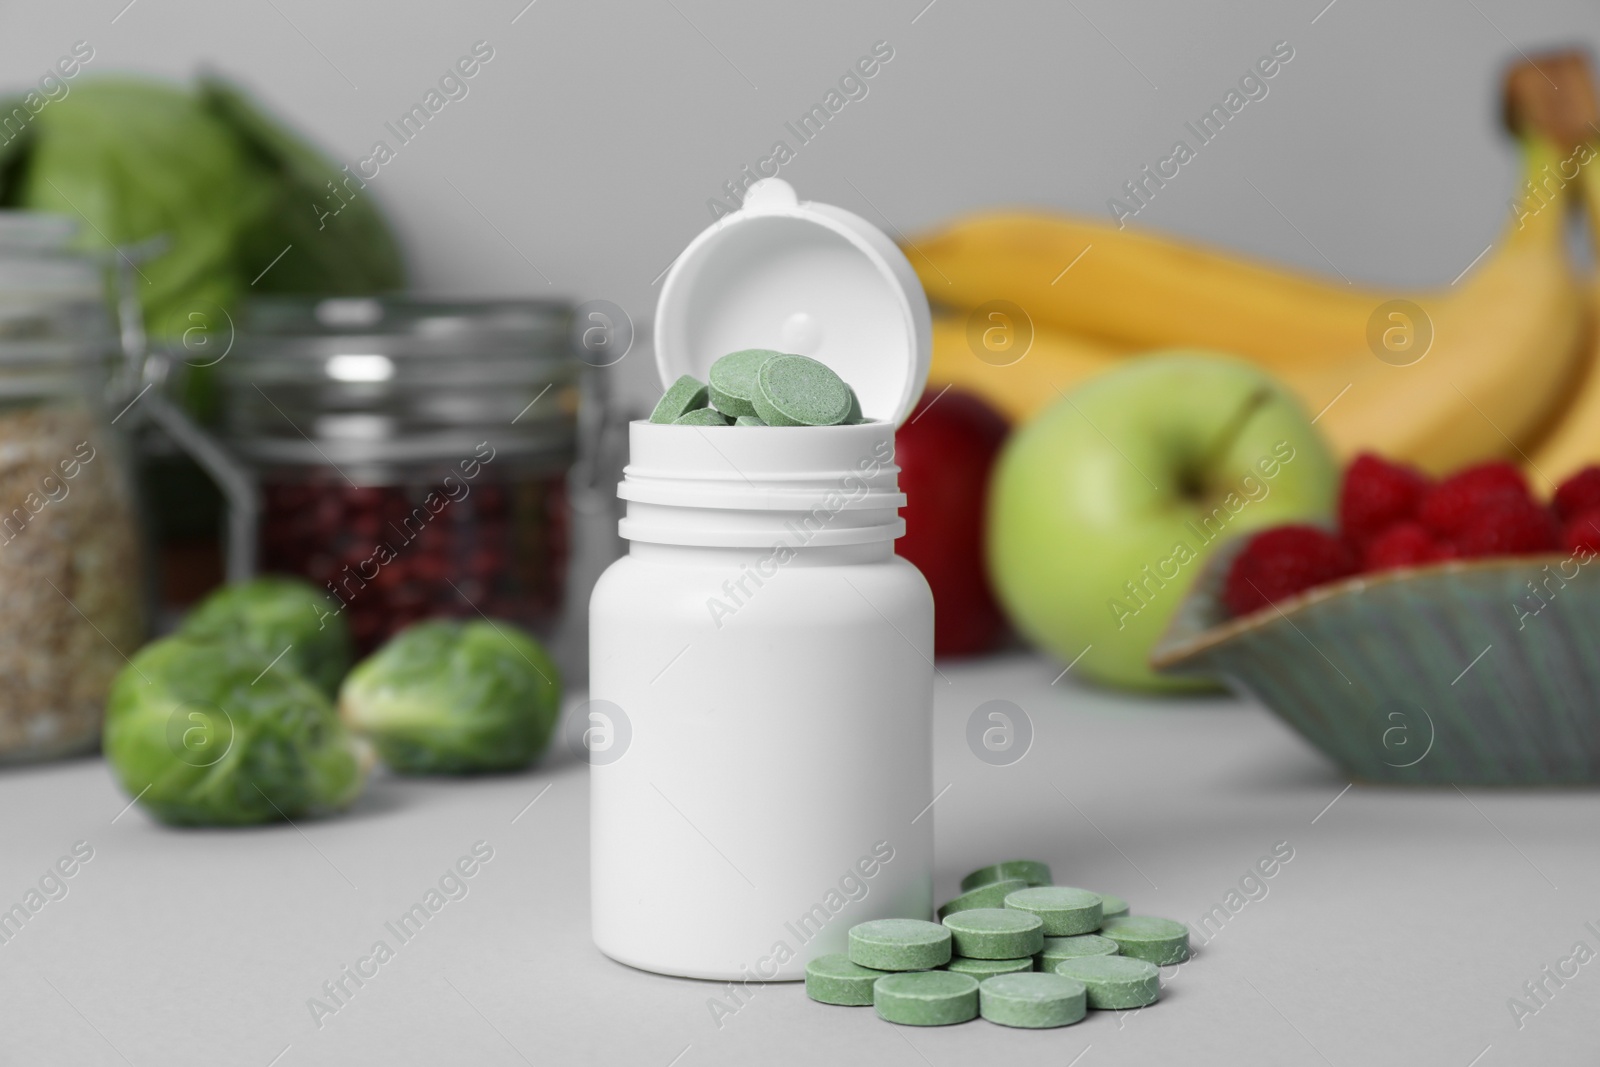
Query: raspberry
[1582, 531]
[1507, 525]
[1455, 503]
[1405, 544]
[1376, 494]
[1579, 493]
[1283, 561]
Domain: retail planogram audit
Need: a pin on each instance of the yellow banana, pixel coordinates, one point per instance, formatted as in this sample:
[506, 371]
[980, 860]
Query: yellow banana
[1137, 290]
[1499, 350]
[1487, 368]
[1554, 93]
[1504, 352]
[1496, 361]
[979, 361]
[1574, 440]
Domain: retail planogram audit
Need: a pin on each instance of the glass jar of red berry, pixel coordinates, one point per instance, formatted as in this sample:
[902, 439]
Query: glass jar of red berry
[411, 456]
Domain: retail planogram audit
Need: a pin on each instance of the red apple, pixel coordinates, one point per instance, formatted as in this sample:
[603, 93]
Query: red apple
[946, 450]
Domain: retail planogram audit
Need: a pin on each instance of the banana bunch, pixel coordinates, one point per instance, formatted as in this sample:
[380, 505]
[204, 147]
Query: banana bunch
[1486, 367]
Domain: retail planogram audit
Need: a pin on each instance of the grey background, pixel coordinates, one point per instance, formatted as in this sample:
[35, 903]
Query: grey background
[581, 161]
[586, 150]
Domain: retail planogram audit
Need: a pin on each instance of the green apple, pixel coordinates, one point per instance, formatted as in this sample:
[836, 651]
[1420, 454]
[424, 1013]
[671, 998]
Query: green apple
[1104, 508]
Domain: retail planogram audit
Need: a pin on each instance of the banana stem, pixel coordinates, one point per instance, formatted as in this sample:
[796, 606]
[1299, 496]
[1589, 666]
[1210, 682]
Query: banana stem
[1546, 185]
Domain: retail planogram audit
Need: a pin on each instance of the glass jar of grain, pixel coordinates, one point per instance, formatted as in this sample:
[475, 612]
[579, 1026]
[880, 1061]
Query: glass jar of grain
[71, 579]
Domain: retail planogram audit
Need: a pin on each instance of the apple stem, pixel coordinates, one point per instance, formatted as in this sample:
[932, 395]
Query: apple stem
[1235, 426]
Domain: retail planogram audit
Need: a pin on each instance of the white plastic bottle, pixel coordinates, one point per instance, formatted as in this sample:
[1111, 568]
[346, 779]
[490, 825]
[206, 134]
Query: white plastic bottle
[761, 656]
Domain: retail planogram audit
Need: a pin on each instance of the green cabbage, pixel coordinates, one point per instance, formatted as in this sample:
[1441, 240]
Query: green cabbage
[448, 697]
[276, 615]
[342, 246]
[202, 733]
[224, 185]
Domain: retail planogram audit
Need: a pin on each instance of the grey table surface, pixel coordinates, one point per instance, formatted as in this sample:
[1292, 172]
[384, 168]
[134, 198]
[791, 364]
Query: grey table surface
[1399, 932]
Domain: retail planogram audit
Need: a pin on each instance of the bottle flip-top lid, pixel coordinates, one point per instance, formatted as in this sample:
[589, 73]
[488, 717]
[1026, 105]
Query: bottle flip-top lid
[799, 276]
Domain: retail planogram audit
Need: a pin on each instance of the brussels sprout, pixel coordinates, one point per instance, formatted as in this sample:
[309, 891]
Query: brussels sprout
[273, 614]
[203, 734]
[448, 697]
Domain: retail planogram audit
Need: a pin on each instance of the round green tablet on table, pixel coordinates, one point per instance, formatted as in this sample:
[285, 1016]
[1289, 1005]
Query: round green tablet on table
[682, 396]
[926, 998]
[992, 895]
[900, 945]
[731, 382]
[1146, 937]
[833, 979]
[981, 969]
[1065, 911]
[1057, 949]
[995, 933]
[1031, 871]
[1032, 1001]
[799, 391]
[1112, 907]
[1114, 982]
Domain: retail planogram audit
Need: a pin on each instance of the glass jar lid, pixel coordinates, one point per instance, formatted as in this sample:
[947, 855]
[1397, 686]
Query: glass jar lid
[378, 380]
[53, 311]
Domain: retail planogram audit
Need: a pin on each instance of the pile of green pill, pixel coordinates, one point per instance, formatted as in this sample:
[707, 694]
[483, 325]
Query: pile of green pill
[1013, 948]
[760, 387]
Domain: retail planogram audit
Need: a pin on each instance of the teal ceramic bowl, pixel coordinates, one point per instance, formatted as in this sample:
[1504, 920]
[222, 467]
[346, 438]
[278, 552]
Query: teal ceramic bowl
[1480, 672]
